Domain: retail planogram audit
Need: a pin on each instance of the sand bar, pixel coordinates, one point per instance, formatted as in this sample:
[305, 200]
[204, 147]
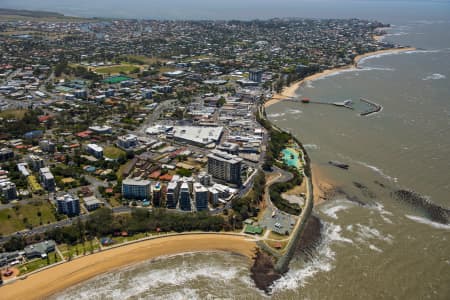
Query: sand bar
[50, 281]
[290, 91]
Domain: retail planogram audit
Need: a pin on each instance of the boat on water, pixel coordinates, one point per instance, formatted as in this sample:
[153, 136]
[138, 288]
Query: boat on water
[306, 100]
[339, 164]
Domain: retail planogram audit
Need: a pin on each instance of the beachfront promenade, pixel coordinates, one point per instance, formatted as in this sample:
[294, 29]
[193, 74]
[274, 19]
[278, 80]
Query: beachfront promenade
[283, 261]
[49, 281]
[285, 257]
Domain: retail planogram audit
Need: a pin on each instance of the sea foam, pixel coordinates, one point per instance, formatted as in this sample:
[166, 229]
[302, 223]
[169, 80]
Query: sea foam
[364, 59]
[275, 115]
[435, 76]
[311, 146]
[428, 222]
[294, 111]
[383, 212]
[300, 273]
[332, 208]
[155, 283]
[378, 170]
[353, 70]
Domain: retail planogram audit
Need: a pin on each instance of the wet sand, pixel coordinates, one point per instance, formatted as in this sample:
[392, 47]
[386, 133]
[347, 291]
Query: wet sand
[323, 188]
[290, 91]
[53, 280]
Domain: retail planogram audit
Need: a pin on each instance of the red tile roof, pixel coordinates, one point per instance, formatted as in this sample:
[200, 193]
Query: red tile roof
[165, 177]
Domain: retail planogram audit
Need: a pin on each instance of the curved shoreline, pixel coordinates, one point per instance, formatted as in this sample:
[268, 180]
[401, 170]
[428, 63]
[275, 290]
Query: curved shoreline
[47, 282]
[290, 91]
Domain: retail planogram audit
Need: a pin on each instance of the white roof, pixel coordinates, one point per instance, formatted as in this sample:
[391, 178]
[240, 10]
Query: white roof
[172, 185]
[185, 186]
[92, 200]
[128, 137]
[198, 134]
[46, 173]
[224, 156]
[198, 188]
[100, 128]
[130, 181]
[95, 147]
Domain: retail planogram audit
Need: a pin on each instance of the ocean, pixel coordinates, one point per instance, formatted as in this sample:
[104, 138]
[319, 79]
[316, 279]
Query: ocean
[375, 247]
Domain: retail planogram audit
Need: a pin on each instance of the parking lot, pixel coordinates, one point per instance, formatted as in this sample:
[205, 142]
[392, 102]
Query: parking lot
[278, 221]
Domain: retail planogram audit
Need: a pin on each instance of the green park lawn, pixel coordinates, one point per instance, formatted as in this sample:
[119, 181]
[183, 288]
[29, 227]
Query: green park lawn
[17, 218]
[13, 113]
[78, 249]
[38, 263]
[116, 69]
[113, 152]
[145, 59]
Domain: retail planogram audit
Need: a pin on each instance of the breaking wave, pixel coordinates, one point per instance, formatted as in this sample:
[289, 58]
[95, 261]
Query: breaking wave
[309, 84]
[364, 59]
[428, 222]
[332, 208]
[366, 233]
[294, 111]
[378, 171]
[375, 248]
[397, 33]
[275, 115]
[170, 277]
[434, 76]
[383, 212]
[311, 146]
[300, 272]
[353, 70]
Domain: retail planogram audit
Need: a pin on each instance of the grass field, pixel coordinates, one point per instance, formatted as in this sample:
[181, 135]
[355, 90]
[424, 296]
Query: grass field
[12, 219]
[68, 251]
[166, 69]
[124, 239]
[114, 202]
[38, 263]
[113, 152]
[145, 59]
[116, 69]
[122, 168]
[13, 113]
[198, 57]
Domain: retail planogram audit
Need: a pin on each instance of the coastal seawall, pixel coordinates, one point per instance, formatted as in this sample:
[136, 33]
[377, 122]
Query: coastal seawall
[282, 265]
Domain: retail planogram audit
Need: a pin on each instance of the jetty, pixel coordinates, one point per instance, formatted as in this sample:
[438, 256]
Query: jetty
[347, 103]
[374, 107]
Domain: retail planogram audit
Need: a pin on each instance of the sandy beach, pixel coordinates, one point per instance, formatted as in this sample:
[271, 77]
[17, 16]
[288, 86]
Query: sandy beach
[290, 90]
[53, 280]
[323, 187]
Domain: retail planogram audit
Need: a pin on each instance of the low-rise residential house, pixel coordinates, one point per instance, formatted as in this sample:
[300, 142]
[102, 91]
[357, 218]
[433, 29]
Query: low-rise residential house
[92, 203]
[40, 249]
